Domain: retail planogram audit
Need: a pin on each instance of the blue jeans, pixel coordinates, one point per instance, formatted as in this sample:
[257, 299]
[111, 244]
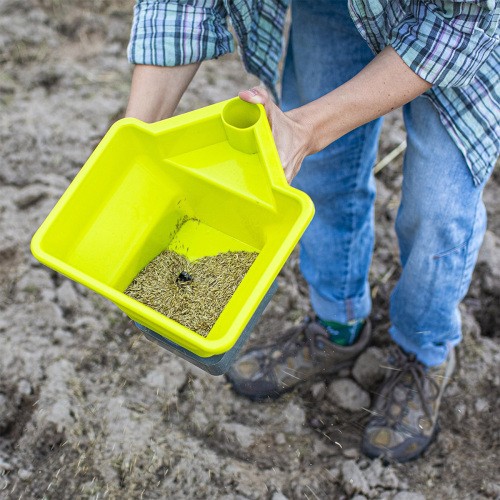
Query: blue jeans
[441, 219]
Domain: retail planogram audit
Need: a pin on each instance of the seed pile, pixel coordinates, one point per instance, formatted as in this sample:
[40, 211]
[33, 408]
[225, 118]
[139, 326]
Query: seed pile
[191, 293]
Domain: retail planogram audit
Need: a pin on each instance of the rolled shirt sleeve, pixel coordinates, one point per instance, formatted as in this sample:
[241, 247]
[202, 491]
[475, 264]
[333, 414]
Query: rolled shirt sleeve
[446, 42]
[178, 32]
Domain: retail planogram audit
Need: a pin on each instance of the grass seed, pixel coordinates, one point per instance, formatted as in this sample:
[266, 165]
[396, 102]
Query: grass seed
[191, 293]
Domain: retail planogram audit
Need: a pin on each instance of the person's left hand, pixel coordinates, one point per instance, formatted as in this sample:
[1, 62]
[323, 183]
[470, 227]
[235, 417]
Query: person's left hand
[291, 135]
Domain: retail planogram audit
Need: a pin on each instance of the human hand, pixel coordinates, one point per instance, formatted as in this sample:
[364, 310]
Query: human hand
[291, 133]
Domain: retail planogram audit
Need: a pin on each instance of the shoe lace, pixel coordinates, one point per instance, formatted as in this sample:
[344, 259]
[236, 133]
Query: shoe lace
[295, 339]
[408, 364]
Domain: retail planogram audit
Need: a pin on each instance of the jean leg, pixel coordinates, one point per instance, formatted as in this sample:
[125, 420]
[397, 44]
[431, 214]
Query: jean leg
[325, 50]
[440, 226]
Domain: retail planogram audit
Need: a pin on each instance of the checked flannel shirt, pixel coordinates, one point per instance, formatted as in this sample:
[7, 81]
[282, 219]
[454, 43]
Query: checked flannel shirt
[452, 44]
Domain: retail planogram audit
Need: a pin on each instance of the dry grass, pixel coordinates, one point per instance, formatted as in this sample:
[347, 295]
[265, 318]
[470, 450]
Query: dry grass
[191, 293]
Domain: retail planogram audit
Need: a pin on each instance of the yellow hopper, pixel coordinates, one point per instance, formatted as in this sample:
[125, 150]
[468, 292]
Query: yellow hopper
[217, 167]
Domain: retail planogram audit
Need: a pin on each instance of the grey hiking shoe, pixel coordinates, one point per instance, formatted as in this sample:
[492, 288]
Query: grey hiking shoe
[304, 352]
[405, 412]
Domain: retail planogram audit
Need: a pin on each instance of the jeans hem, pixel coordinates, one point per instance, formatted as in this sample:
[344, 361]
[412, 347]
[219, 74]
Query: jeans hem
[429, 354]
[341, 311]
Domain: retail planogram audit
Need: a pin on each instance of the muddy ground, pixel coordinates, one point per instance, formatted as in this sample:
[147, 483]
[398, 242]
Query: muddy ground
[90, 409]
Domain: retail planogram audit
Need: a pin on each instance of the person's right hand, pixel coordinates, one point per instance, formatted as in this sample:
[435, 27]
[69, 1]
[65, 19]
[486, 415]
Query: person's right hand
[386, 83]
[291, 133]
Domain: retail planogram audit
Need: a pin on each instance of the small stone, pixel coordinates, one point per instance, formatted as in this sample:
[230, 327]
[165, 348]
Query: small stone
[280, 438]
[385, 495]
[348, 395]
[490, 283]
[8, 249]
[156, 379]
[67, 296]
[373, 473]
[493, 489]
[358, 497]
[7, 412]
[489, 256]
[86, 324]
[4, 324]
[30, 196]
[403, 484]
[48, 295]
[470, 326]
[489, 253]
[321, 449]
[61, 336]
[199, 419]
[368, 370]
[334, 474]
[5, 466]
[350, 453]
[409, 495]
[168, 378]
[353, 480]
[279, 496]
[24, 474]
[383, 194]
[481, 405]
[364, 463]
[452, 390]
[460, 411]
[35, 280]
[294, 418]
[318, 391]
[24, 388]
[387, 478]
[52, 180]
[245, 436]
[56, 404]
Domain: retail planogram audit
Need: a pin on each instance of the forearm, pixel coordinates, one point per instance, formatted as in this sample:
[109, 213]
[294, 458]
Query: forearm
[156, 90]
[383, 85]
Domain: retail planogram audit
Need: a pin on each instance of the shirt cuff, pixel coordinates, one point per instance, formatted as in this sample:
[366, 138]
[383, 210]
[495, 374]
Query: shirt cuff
[444, 50]
[168, 33]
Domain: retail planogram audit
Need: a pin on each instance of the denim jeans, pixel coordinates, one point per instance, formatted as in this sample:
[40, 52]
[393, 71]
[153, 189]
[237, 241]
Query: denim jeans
[441, 219]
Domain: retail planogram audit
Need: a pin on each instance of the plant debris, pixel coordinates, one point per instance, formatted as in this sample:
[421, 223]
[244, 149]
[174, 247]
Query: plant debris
[191, 293]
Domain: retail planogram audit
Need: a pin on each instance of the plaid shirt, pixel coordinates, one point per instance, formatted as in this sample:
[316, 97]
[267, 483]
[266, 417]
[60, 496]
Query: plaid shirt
[451, 44]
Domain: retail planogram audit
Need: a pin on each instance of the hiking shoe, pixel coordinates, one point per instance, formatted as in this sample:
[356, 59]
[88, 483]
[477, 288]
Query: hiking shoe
[406, 409]
[304, 352]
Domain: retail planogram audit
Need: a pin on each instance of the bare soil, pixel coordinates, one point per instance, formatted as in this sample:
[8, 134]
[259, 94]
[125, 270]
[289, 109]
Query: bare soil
[91, 409]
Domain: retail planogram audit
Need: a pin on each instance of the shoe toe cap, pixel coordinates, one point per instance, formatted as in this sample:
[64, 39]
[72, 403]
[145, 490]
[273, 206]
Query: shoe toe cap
[393, 444]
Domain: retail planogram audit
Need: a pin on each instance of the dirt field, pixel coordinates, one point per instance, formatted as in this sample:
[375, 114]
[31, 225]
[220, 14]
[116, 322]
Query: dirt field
[90, 409]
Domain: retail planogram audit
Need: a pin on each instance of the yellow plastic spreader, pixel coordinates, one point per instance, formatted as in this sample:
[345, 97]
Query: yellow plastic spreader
[217, 168]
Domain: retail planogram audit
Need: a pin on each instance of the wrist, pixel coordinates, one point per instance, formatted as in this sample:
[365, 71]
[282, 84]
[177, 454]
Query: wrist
[384, 84]
[305, 130]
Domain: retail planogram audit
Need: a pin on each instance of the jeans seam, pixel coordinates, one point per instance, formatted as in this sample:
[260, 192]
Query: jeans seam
[468, 255]
[349, 310]
[349, 303]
